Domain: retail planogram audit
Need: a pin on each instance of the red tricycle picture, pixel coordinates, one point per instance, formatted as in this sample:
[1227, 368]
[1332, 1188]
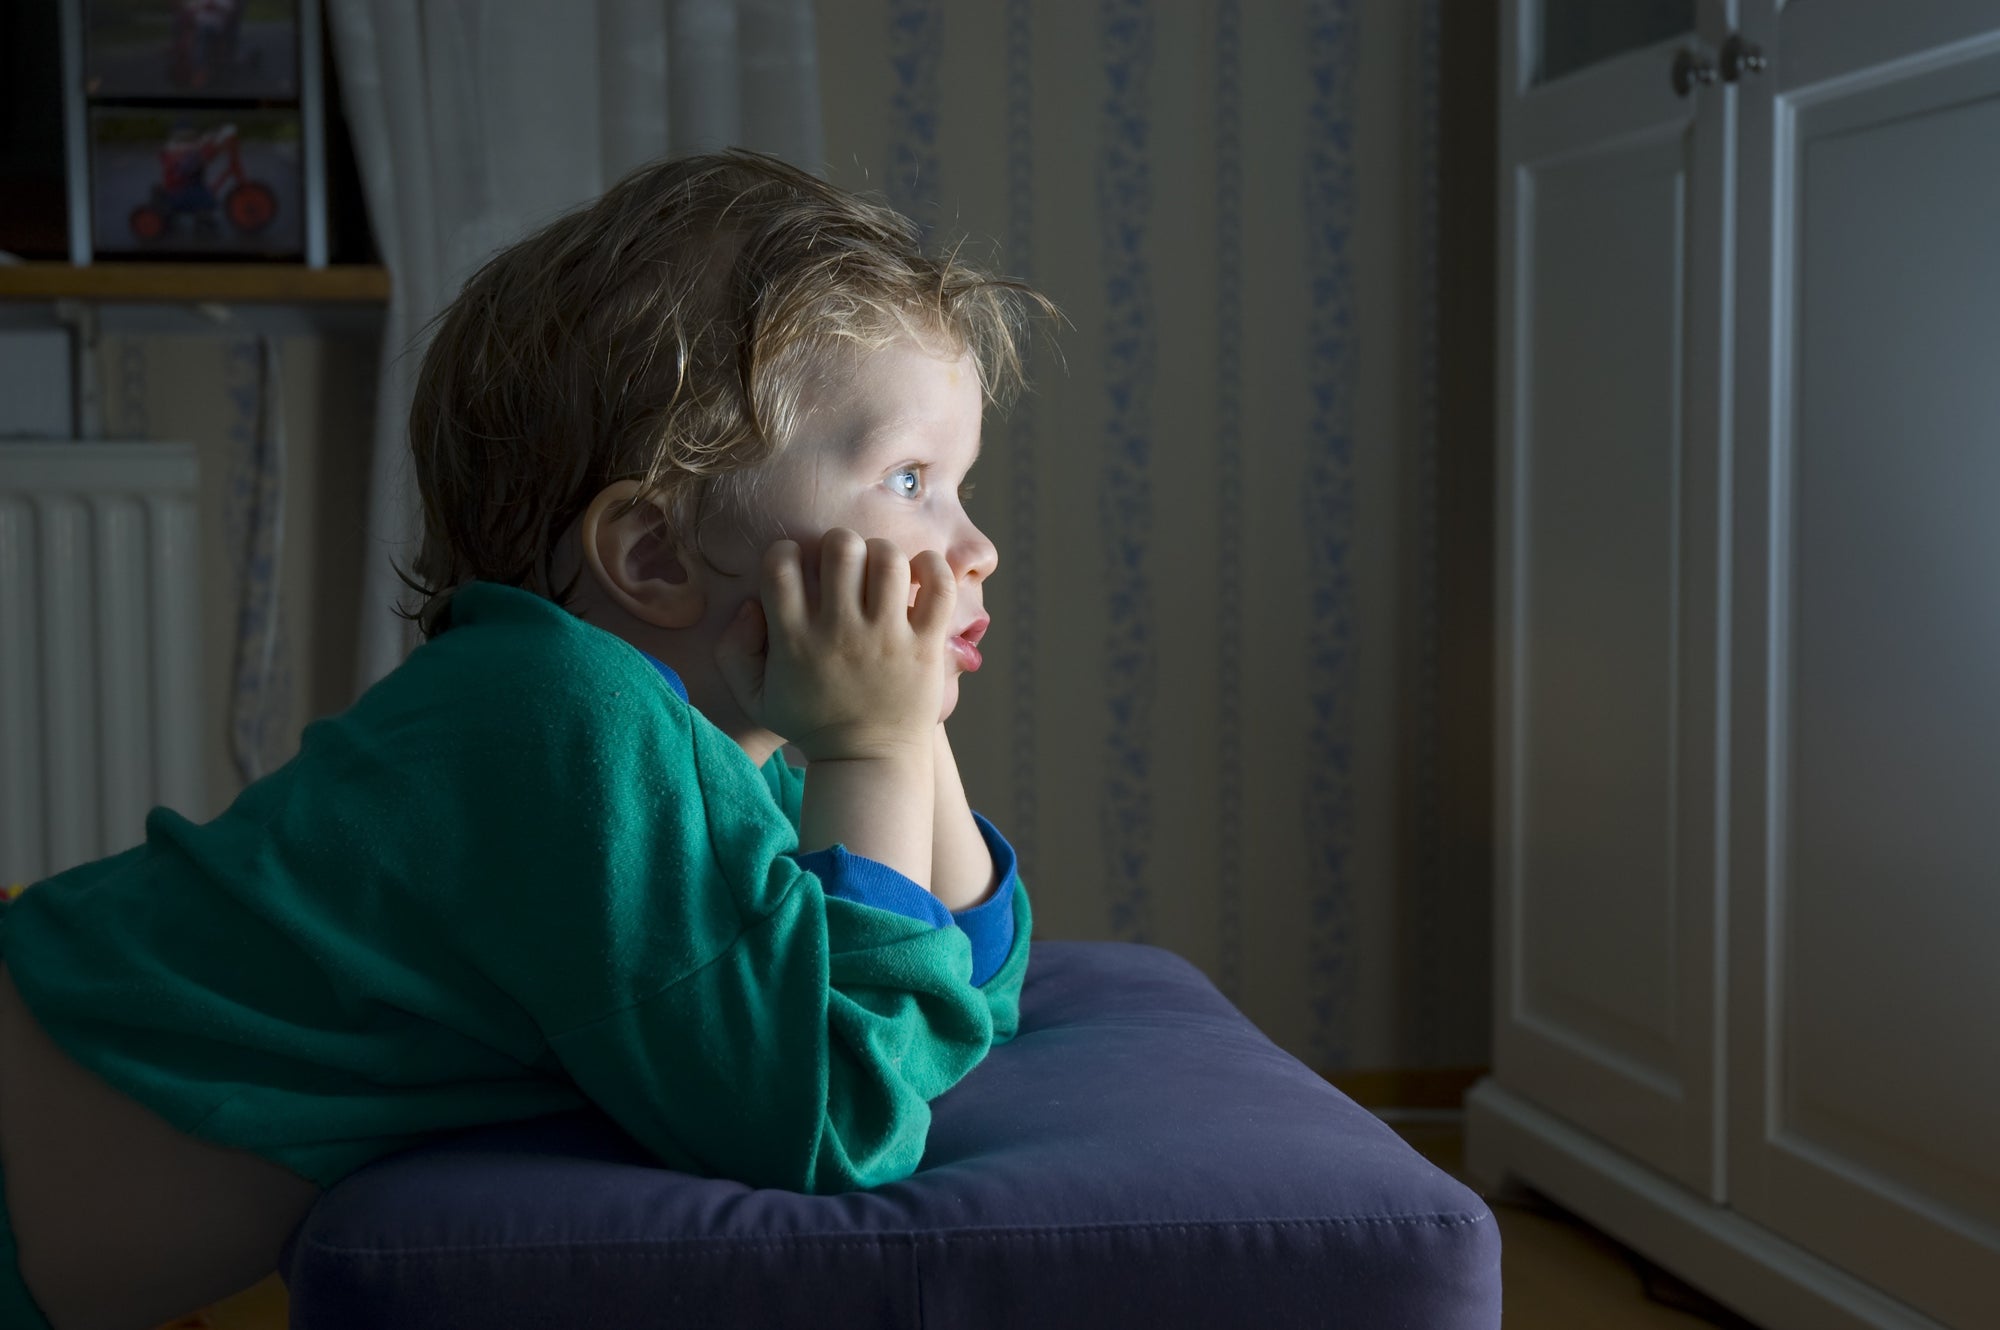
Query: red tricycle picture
[209, 181]
[163, 49]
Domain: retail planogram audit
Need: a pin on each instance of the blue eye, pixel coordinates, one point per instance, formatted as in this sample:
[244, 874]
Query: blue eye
[907, 481]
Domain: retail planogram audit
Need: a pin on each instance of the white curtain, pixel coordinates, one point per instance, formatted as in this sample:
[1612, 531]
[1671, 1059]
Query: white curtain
[476, 120]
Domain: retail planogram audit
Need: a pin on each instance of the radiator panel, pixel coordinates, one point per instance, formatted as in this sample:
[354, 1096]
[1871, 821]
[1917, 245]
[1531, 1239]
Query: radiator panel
[100, 638]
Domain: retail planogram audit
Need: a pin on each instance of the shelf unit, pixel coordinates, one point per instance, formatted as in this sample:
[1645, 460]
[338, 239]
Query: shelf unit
[196, 283]
[203, 299]
[312, 126]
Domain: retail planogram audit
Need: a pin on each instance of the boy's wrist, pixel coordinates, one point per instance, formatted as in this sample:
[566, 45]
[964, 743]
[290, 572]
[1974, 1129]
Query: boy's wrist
[864, 746]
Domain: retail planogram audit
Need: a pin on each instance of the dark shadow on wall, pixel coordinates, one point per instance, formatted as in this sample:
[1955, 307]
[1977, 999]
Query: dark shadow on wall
[1449, 840]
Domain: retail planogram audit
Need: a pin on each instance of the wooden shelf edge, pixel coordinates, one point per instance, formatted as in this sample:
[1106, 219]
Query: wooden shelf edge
[196, 283]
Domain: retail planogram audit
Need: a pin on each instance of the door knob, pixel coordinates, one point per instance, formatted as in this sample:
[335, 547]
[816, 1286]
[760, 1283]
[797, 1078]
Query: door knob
[1740, 57]
[1692, 66]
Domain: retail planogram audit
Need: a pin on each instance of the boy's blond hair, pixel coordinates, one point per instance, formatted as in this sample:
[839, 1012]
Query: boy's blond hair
[664, 334]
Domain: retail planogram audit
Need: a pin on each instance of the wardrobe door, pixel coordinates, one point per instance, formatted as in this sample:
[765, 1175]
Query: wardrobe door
[1613, 226]
[1865, 994]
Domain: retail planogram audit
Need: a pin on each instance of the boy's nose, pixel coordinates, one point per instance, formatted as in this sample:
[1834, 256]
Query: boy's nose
[972, 556]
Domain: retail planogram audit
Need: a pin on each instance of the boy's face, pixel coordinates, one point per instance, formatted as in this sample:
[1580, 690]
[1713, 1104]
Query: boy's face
[885, 451]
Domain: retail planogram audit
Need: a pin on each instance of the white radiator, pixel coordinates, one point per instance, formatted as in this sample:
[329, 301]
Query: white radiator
[100, 648]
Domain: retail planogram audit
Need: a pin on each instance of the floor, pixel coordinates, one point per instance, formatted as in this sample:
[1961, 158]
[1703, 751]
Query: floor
[1558, 1273]
[260, 1308]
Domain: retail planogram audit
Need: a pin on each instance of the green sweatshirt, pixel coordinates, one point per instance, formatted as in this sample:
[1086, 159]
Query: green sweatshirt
[519, 875]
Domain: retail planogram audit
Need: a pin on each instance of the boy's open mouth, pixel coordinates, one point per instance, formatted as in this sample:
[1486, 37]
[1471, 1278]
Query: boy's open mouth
[965, 644]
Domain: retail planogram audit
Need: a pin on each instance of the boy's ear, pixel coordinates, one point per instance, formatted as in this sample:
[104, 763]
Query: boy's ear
[631, 552]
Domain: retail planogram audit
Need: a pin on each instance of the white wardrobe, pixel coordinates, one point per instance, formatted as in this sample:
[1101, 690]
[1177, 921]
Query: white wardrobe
[1747, 1016]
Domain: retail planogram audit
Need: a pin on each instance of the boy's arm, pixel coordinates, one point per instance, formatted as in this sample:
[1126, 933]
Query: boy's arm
[992, 923]
[963, 873]
[878, 807]
[804, 1031]
[663, 931]
[973, 874]
[853, 681]
[805, 1055]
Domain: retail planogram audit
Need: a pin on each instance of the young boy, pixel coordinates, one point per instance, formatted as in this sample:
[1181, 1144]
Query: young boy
[691, 461]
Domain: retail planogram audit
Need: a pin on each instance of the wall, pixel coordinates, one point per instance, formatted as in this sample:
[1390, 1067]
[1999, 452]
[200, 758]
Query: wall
[1236, 697]
[1208, 716]
[202, 387]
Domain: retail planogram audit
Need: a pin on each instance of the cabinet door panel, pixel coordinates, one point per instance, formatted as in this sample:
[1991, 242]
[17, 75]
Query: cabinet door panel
[1599, 683]
[1609, 600]
[1868, 825]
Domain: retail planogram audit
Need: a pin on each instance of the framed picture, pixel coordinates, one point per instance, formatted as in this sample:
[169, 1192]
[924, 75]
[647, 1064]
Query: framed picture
[168, 49]
[197, 182]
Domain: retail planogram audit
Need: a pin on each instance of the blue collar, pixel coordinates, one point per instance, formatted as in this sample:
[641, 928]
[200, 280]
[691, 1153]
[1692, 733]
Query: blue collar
[667, 673]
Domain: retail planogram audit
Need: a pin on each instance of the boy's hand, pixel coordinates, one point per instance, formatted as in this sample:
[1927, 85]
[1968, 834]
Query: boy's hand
[860, 674]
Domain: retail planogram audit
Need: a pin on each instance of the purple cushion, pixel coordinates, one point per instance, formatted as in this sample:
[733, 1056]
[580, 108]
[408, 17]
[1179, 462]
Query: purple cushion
[1139, 1154]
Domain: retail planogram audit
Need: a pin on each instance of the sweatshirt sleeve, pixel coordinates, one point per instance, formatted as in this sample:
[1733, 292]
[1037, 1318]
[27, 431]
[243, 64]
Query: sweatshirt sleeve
[990, 926]
[804, 1057]
[801, 1038]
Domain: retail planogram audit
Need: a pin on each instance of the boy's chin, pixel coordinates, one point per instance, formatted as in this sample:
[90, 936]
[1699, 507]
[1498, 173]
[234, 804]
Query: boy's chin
[950, 703]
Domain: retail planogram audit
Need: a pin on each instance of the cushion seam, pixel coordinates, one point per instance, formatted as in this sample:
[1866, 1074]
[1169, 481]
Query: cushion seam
[705, 1246]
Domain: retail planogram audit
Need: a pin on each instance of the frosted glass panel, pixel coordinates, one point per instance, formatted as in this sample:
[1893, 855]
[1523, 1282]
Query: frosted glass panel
[1576, 33]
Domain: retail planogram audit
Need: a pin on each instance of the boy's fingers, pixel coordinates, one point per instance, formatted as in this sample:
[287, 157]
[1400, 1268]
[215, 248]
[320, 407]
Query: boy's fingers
[739, 655]
[843, 559]
[888, 582]
[746, 634]
[783, 587]
[937, 594]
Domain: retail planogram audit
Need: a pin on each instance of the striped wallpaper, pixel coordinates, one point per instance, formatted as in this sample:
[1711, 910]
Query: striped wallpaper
[1206, 720]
